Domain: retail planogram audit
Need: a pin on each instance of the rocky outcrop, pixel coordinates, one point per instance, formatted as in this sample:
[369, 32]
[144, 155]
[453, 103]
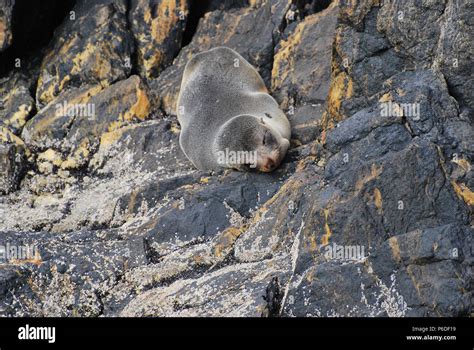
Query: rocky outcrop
[12, 154]
[92, 46]
[158, 28]
[302, 70]
[17, 104]
[6, 23]
[370, 214]
[261, 22]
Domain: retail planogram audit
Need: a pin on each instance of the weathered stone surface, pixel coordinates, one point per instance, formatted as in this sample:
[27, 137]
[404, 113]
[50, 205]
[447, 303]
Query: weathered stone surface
[127, 177]
[75, 121]
[49, 127]
[6, 9]
[333, 289]
[62, 276]
[302, 70]
[437, 44]
[226, 28]
[244, 293]
[437, 262]
[370, 214]
[302, 62]
[12, 160]
[157, 27]
[454, 51]
[199, 213]
[16, 104]
[94, 47]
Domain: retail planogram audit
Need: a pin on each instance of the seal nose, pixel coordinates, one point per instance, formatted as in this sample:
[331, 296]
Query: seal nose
[269, 164]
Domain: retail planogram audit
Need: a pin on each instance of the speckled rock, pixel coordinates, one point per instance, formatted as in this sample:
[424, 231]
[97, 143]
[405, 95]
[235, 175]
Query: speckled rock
[12, 160]
[232, 29]
[6, 9]
[93, 46]
[302, 62]
[157, 27]
[17, 104]
[80, 118]
[236, 290]
[62, 271]
[302, 70]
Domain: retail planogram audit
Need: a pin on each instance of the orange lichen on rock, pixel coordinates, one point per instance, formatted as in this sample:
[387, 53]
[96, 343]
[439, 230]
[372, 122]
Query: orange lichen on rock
[284, 58]
[463, 163]
[226, 240]
[464, 193]
[341, 88]
[394, 246]
[327, 230]
[374, 173]
[141, 108]
[378, 200]
[157, 31]
[116, 130]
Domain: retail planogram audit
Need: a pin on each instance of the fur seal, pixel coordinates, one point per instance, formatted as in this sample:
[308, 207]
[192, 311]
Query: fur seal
[227, 117]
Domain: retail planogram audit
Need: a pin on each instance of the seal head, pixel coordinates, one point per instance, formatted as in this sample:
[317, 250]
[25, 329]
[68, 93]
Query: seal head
[246, 142]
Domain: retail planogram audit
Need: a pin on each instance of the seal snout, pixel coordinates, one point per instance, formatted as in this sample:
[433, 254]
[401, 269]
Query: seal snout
[268, 161]
[268, 164]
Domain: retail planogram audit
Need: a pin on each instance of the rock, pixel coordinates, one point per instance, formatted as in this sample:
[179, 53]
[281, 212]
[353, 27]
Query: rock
[92, 46]
[75, 121]
[49, 127]
[228, 4]
[305, 121]
[231, 29]
[126, 102]
[454, 50]
[433, 260]
[301, 72]
[364, 59]
[302, 63]
[63, 269]
[12, 161]
[400, 27]
[200, 212]
[157, 28]
[17, 104]
[231, 291]
[437, 44]
[6, 23]
[343, 290]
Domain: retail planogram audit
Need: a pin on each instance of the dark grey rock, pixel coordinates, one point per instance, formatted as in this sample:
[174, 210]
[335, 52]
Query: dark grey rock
[12, 165]
[6, 35]
[92, 46]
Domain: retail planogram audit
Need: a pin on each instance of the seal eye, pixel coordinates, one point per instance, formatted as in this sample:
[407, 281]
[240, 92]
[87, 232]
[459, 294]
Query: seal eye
[264, 141]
